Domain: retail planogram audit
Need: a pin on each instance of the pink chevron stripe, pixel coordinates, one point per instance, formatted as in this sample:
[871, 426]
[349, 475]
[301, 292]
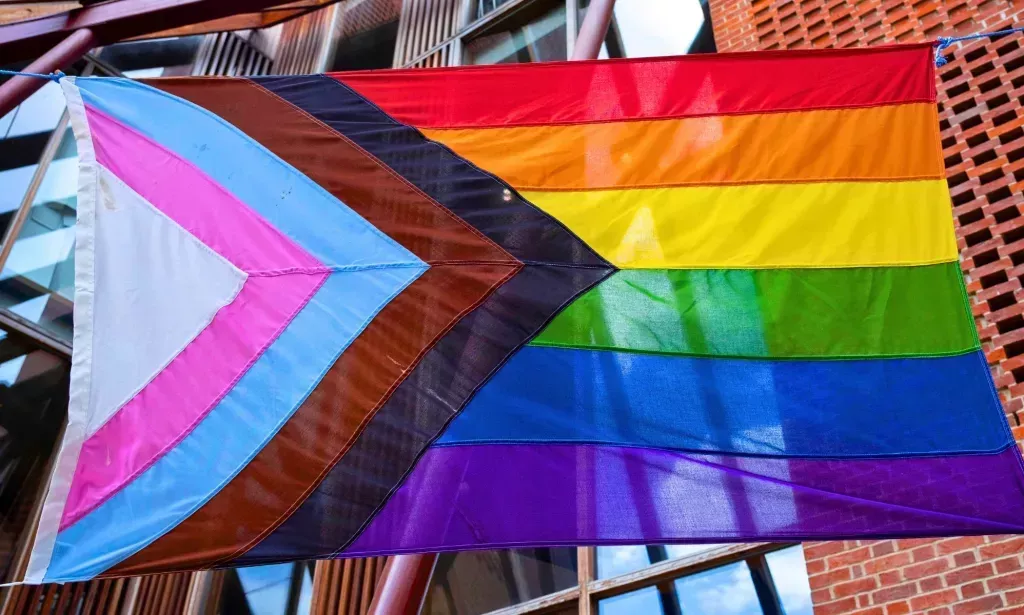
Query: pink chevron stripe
[283, 278]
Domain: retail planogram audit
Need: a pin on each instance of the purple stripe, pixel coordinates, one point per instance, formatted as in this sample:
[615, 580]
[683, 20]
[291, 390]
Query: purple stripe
[491, 496]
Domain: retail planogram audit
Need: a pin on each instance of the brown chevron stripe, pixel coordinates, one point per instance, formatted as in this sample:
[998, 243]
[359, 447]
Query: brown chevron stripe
[466, 268]
[341, 167]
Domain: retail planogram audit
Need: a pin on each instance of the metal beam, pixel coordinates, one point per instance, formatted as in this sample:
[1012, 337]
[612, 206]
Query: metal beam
[116, 20]
[17, 89]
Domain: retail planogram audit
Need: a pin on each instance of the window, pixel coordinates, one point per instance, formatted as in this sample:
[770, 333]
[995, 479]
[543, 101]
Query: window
[614, 561]
[647, 28]
[733, 579]
[277, 589]
[535, 33]
[33, 404]
[475, 582]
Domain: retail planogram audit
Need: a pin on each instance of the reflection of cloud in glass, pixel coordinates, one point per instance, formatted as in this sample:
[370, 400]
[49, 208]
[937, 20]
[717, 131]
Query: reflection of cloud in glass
[658, 27]
[722, 591]
[613, 561]
[789, 572]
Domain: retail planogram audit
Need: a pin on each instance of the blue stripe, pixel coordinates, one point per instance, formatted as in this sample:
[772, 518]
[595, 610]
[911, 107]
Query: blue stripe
[286, 198]
[863, 408]
[234, 431]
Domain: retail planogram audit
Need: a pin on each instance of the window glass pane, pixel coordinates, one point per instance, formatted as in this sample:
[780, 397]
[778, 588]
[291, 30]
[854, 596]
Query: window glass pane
[539, 39]
[728, 590]
[644, 600]
[33, 404]
[789, 573]
[163, 57]
[483, 7]
[24, 133]
[613, 561]
[475, 582]
[37, 280]
[266, 588]
[306, 591]
[647, 28]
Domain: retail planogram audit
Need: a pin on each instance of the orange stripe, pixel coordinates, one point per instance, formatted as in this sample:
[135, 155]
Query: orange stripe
[878, 143]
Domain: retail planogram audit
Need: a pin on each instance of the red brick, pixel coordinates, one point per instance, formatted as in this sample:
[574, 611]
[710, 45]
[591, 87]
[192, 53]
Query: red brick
[839, 607]
[926, 569]
[897, 608]
[980, 605]
[846, 558]
[908, 544]
[898, 592]
[930, 584]
[1007, 564]
[961, 543]
[821, 595]
[884, 547]
[972, 573]
[843, 590]
[921, 554]
[965, 558]
[891, 577]
[972, 590]
[1005, 547]
[1009, 581]
[927, 601]
[875, 610]
[941, 611]
[896, 560]
[1013, 610]
[1015, 597]
[815, 566]
[829, 578]
[821, 549]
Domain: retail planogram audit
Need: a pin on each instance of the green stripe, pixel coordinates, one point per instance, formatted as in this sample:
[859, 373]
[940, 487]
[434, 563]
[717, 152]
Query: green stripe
[776, 313]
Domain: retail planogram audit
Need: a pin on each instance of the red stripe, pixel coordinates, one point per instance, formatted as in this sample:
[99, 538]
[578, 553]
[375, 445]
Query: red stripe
[610, 90]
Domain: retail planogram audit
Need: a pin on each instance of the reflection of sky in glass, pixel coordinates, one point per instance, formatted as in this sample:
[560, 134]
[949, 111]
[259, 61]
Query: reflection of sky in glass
[789, 572]
[266, 587]
[39, 113]
[658, 27]
[306, 593]
[641, 601]
[613, 561]
[9, 370]
[727, 590]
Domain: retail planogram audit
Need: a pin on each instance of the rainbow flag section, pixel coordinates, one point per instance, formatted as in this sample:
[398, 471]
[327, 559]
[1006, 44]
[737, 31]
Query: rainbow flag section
[700, 299]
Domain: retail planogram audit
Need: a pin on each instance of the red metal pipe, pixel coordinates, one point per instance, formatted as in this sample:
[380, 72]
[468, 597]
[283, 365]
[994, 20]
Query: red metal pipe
[17, 89]
[403, 585]
[593, 30]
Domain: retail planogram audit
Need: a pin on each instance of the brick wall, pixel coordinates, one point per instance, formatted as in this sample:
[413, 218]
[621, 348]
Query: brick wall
[981, 92]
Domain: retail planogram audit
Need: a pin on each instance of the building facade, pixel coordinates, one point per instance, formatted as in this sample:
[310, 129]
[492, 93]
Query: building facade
[983, 139]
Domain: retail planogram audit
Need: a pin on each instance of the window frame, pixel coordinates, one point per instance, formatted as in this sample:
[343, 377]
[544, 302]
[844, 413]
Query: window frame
[591, 590]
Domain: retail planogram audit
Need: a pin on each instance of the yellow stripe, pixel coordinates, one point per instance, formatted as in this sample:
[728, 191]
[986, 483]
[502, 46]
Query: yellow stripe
[876, 143]
[832, 224]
